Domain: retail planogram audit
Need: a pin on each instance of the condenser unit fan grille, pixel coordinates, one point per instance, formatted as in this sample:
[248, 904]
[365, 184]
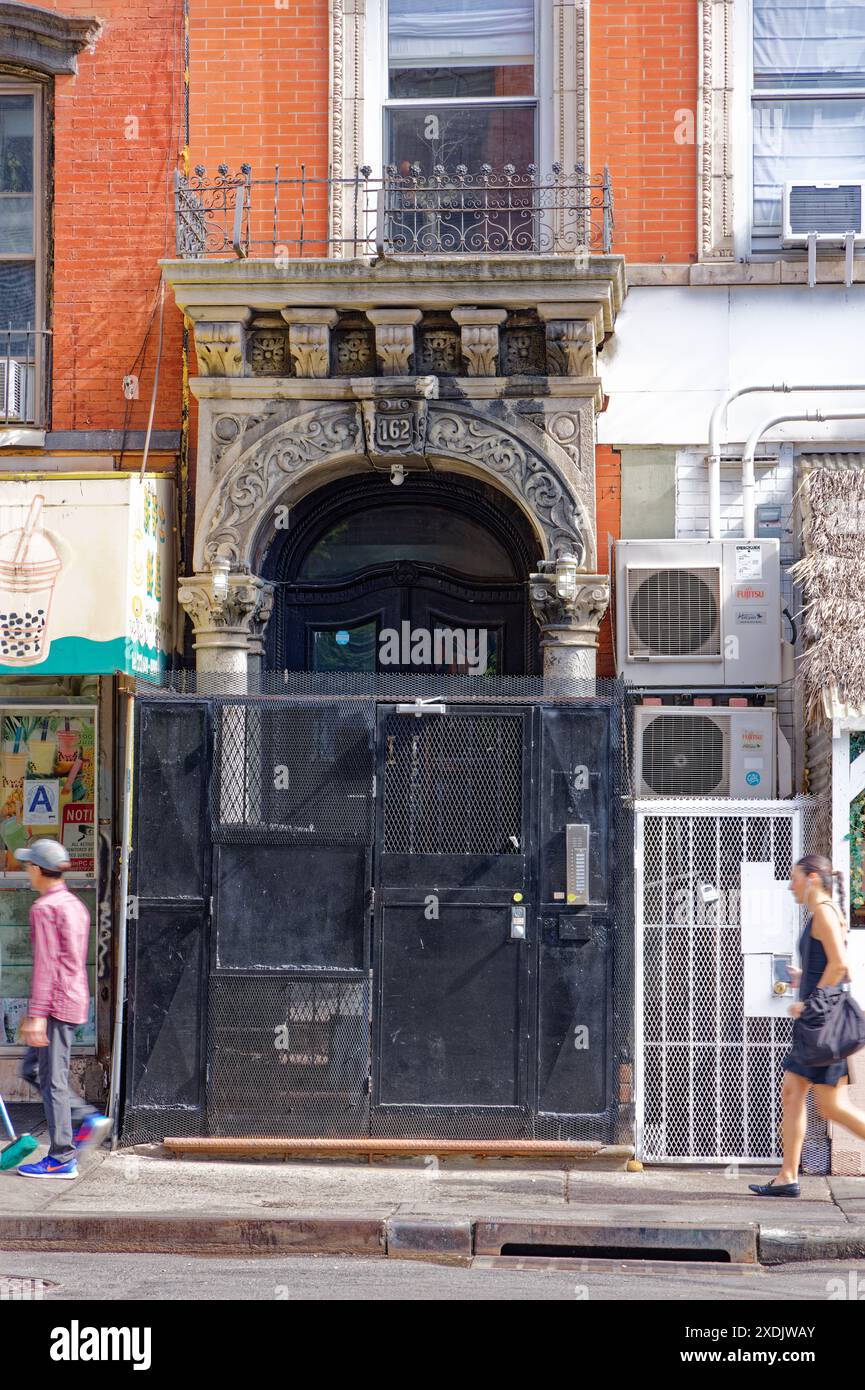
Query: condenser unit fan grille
[685, 755]
[674, 612]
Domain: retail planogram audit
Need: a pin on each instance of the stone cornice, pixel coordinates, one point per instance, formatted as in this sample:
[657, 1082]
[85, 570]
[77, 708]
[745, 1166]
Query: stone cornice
[425, 282]
[44, 40]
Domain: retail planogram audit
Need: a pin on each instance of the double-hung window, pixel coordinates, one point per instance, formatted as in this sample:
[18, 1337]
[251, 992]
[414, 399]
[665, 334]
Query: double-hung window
[462, 85]
[22, 354]
[808, 103]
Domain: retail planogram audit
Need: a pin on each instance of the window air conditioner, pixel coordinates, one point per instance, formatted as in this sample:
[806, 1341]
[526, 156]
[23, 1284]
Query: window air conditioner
[829, 211]
[704, 752]
[16, 389]
[691, 613]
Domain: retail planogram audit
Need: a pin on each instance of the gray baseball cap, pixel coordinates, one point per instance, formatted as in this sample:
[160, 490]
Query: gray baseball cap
[45, 854]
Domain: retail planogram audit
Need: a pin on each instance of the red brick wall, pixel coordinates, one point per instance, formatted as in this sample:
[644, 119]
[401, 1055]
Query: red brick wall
[608, 485]
[110, 203]
[260, 95]
[643, 112]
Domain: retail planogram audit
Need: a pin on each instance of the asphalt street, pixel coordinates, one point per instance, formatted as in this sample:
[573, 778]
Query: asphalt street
[324, 1278]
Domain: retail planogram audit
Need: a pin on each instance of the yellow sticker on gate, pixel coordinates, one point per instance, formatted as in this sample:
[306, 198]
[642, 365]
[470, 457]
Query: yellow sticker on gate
[518, 897]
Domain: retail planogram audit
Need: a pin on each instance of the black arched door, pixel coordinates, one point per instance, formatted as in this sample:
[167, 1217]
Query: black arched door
[430, 575]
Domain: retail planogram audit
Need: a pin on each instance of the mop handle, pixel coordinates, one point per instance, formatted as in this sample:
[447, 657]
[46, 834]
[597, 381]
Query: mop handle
[7, 1123]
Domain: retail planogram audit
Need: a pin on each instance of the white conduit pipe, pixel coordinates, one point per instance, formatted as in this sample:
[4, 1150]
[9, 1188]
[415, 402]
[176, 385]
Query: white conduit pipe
[717, 419]
[748, 485]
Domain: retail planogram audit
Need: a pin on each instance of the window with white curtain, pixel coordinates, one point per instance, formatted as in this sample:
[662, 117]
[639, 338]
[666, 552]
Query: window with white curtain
[808, 101]
[461, 84]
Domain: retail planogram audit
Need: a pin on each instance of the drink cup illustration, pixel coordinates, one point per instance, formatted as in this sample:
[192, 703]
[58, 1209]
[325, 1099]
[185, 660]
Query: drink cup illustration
[29, 565]
[67, 741]
[43, 750]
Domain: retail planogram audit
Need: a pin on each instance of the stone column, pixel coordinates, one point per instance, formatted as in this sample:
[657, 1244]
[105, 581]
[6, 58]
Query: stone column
[229, 611]
[570, 625]
[394, 338]
[479, 330]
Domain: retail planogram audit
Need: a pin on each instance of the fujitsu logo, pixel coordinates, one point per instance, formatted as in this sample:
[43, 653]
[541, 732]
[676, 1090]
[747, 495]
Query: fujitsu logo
[746, 593]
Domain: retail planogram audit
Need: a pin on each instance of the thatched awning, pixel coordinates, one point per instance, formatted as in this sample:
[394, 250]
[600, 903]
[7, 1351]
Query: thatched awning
[832, 573]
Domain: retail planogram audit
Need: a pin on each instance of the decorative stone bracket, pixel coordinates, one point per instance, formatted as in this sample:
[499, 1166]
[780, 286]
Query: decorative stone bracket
[571, 349]
[479, 330]
[570, 625]
[220, 339]
[309, 340]
[394, 338]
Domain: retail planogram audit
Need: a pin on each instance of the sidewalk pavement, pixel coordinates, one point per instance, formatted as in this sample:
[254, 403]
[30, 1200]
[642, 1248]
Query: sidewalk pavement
[143, 1199]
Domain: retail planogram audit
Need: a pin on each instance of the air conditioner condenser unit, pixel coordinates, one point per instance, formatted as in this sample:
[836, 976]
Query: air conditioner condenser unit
[711, 751]
[699, 613]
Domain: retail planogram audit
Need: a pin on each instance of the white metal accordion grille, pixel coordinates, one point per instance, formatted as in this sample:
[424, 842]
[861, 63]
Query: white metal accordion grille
[708, 1078]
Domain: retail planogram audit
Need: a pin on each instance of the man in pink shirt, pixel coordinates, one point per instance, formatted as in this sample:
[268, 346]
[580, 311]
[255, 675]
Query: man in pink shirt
[59, 1002]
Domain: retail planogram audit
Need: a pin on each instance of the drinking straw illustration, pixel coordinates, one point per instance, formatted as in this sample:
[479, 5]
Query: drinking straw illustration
[33, 518]
[44, 730]
[18, 732]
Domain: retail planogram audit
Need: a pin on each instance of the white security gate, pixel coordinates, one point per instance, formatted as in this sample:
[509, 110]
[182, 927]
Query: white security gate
[710, 1032]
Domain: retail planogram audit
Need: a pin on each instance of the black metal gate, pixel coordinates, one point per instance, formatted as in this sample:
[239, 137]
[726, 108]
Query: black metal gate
[356, 913]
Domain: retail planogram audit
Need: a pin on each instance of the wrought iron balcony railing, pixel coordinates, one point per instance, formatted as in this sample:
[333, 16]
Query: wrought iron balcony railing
[25, 358]
[403, 213]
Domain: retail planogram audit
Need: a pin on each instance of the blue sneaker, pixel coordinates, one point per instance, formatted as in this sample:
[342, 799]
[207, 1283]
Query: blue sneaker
[94, 1130]
[48, 1167]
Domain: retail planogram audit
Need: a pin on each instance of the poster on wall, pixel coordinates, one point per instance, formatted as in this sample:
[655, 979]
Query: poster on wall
[48, 781]
[87, 576]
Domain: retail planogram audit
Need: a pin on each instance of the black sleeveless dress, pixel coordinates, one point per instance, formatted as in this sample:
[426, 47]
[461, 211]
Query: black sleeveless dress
[813, 958]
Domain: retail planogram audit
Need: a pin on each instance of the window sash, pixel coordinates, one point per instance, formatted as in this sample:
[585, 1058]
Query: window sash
[30, 349]
[808, 43]
[476, 33]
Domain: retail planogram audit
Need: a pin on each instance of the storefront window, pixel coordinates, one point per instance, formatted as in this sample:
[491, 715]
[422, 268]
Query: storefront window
[47, 787]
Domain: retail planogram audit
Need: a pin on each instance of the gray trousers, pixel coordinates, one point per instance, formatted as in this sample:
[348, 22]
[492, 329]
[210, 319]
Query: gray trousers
[47, 1068]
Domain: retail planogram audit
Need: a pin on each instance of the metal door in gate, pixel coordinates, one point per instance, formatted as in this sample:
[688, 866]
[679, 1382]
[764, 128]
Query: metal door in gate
[454, 923]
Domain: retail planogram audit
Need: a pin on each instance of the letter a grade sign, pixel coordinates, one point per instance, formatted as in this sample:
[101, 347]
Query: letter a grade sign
[41, 802]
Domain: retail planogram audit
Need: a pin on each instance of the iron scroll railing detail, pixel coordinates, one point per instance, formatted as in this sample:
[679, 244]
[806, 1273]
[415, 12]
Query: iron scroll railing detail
[403, 212]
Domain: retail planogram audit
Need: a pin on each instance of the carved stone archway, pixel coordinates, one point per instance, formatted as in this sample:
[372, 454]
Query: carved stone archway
[293, 456]
[327, 436]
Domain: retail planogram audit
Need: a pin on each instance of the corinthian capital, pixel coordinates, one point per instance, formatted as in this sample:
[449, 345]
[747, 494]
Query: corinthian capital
[229, 611]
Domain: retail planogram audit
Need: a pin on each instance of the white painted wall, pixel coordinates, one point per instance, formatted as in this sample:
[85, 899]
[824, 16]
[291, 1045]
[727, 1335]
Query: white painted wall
[677, 349]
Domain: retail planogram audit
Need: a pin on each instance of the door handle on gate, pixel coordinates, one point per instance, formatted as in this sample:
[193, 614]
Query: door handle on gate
[518, 924]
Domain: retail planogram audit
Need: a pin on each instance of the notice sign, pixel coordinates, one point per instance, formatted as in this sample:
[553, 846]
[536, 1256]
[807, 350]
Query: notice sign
[78, 836]
[41, 802]
[749, 562]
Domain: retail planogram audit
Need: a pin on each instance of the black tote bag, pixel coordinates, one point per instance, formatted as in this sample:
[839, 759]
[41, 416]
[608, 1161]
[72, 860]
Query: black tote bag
[830, 1028]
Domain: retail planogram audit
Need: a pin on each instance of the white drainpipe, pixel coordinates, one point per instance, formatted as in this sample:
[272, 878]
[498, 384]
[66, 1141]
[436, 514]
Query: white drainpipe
[748, 507]
[717, 418]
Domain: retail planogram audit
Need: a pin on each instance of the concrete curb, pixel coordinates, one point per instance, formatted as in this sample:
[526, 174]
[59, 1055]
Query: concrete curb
[210, 1235]
[448, 1239]
[790, 1244]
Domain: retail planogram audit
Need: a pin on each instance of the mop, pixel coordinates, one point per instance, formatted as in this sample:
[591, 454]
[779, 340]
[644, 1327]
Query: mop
[19, 1149]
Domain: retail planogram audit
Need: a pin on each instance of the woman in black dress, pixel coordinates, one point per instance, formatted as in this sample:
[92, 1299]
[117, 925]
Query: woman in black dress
[824, 962]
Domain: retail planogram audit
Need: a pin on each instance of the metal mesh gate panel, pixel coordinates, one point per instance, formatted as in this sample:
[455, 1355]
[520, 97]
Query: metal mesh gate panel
[708, 1076]
[288, 1056]
[453, 786]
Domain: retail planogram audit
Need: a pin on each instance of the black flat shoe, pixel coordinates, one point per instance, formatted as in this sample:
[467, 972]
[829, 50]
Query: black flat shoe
[772, 1189]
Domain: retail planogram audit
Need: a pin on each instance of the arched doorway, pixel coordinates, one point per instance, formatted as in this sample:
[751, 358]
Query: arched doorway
[431, 574]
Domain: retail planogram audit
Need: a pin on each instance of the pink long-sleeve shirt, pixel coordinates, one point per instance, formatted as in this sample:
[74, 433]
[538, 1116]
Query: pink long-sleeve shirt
[60, 933]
